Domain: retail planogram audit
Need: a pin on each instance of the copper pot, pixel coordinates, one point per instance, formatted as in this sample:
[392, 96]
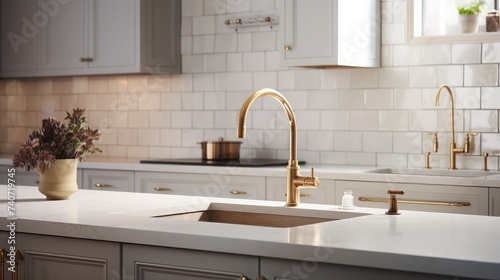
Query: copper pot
[220, 150]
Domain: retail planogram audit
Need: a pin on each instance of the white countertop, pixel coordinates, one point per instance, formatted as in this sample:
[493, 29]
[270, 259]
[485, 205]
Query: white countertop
[452, 244]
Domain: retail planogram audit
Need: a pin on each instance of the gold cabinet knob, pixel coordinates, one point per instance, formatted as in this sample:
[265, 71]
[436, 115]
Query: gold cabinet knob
[160, 189]
[288, 48]
[98, 185]
[86, 59]
[237, 192]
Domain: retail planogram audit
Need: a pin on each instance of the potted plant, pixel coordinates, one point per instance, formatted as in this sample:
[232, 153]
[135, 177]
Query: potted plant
[54, 151]
[468, 16]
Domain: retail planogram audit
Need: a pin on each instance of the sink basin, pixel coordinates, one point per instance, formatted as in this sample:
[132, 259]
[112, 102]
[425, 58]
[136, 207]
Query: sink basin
[258, 215]
[433, 172]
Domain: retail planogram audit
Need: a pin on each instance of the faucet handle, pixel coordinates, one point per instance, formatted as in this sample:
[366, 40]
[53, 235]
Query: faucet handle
[467, 141]
[393, 204]
[435, 143]
[309, 181]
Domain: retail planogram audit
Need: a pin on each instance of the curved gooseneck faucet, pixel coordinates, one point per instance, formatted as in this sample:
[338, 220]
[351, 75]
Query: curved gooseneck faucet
[453, 149]
[294, 180]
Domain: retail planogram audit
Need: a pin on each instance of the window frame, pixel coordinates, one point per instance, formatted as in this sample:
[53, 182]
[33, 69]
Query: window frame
[481, 37]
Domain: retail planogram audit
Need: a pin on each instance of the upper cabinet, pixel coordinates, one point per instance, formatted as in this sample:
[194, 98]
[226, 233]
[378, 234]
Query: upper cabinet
[85, 37]
[323, 33]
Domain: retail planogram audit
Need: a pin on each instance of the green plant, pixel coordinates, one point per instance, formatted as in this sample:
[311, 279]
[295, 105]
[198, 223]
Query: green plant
[470, 8]
[55, 140]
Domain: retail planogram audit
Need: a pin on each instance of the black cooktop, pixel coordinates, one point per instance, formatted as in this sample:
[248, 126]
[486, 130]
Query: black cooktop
[256, 162]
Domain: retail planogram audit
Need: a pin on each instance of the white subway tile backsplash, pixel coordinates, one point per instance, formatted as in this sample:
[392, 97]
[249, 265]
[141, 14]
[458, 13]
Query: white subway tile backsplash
[379, 142]
[182, 82]
[214, 63]
[491, 53]
[203, 44]
[192, 8]
[254, 61]
[490, 98]
[226, 43]
[407, 142]
[393, 120]
[423, 120]
[264, 41]
[349, 100]
[181, 119]
[452, 75]
[481, 75]
[422, 76]
[381, 99]
[436, 54]
[393, 34]
[363, 120]
[203, 119]
[170, 137]
[203, 25]
[234, 62]
[265, 80]
[159, 119]
[407, 99]
[286, 80]
[226, 119]
[97, 84]
[191, 137]
[320, 100]
[404, 55]
[138, 119]
[483, 121]
[334, 120]
[466, 53]
[320, 140]
[307, 79]
[149, 137]
[244, 42]
[150, 101]
[127, 136]
[233, 81]
[364, 78]
[394, 77]
[335, 79]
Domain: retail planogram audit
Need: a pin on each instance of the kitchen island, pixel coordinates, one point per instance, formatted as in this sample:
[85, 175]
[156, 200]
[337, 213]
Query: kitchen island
[362, 243]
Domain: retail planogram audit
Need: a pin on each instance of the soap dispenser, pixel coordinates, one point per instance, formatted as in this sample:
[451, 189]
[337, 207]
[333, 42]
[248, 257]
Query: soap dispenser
[347, 200]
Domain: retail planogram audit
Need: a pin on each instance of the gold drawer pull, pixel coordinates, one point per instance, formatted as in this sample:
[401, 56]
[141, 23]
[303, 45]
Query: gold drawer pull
[237, 192]
[159, 189]
[439, 203]
[102, 185]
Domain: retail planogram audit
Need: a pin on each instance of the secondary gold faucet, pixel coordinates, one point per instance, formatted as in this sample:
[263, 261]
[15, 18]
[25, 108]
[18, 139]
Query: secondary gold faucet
[453, 149]
[294, 180]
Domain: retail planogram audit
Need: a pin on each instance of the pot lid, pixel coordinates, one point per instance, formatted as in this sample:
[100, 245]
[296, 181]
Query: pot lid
[219, 140]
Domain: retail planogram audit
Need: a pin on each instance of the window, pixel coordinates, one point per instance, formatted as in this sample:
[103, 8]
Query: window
[436, 21]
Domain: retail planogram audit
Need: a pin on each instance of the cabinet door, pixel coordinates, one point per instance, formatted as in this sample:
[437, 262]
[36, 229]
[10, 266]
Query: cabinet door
[311, 268]
[432, 198]
[47, 257]
[494, 202]
[108, 180]
[155, 263]
[214, 185]
[114, 40]
[308, 28]
[64, 37]
[324, 194]
[19, 34]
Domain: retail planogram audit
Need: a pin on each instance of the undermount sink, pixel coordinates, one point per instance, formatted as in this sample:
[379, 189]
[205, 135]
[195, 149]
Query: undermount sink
[433, 172]
[259, 215]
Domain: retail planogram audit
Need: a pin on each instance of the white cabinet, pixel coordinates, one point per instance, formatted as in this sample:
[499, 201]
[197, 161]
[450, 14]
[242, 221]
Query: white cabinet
[330, 33]
[93, 37]
[48, 257]
[419, 197]
[154, 263]
[214, 185]
[494, 202]
[324, 194]
[18, 45]
[109, 180]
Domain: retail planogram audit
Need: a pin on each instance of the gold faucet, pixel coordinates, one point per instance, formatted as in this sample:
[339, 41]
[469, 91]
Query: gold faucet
[294, 180]
[453, 149]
